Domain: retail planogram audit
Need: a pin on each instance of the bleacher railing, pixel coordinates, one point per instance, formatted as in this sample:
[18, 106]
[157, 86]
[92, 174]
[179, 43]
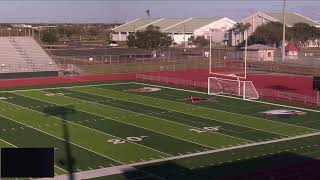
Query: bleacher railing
[8, 68]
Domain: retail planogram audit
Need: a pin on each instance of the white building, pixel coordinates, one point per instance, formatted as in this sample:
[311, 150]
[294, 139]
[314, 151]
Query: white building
[179, 29]
[259, 52]
[260, 18]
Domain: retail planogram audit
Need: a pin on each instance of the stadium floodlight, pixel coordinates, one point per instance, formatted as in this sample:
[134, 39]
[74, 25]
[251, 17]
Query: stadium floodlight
[284, 31]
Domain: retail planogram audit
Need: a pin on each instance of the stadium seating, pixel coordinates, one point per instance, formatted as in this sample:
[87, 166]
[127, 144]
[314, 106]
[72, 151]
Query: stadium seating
[24, 55]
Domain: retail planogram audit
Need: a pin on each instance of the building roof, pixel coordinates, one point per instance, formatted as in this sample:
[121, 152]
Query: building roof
[257, 47]
[292, 18]
[190, 25]
[291, 47]
[164, 23]
[168, 25]
[133, 25]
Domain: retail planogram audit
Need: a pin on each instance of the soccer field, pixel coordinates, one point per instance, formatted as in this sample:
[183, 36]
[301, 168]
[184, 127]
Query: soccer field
[107, 125]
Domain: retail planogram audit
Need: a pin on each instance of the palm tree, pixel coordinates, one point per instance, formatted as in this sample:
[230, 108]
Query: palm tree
[240, 28]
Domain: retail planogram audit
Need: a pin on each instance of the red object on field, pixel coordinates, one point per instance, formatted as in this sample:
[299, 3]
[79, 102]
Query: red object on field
[197, 99]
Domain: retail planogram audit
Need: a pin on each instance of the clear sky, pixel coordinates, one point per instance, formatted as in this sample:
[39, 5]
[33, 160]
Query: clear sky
[119, 11]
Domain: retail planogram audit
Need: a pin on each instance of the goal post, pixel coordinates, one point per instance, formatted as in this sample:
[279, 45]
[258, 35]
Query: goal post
[223, 62]
[233, 87]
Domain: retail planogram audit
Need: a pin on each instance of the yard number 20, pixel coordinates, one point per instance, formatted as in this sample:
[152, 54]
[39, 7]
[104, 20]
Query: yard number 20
[132, 138]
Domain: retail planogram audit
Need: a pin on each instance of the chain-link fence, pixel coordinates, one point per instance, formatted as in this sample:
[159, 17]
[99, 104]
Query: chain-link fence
[161, 61]
[303, 63]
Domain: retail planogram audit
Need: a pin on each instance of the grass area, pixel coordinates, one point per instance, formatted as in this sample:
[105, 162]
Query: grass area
[113, 124]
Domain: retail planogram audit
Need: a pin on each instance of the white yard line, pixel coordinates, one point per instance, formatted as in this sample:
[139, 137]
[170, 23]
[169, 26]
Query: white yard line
[130, 167]
[232, 112]
[201, 107]
[198, 92]
[54, 135]
[190, 114]
[126, 122]
[88, 127]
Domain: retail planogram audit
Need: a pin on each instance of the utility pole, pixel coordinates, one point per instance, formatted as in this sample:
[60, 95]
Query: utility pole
[284, 32]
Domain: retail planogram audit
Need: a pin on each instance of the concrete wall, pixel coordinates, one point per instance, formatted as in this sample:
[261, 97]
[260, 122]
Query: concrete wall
[119, 36]
[180, 38]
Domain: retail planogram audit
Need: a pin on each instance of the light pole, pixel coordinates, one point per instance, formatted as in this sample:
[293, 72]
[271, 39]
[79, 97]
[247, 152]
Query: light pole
[210, 47]
[245, 53]
[284, 31]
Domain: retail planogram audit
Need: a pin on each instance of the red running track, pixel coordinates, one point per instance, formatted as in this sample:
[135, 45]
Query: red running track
[65, 80]
[299, 87]
[281, 82]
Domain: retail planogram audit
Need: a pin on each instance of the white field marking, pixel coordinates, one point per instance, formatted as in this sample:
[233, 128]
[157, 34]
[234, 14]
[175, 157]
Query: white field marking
[231, 97]
[17, 146]
[86, 127]
[139, 114]
[204, 124]
[168, 110]
[215, 132]
[190, 114]
[62, 139]
[104, 119]
[198, 92]
[125, 168]
[8, 143]
[236, 113]
[66, 87]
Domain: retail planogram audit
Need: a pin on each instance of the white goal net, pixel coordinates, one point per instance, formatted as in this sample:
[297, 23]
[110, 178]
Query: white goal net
[235, 87]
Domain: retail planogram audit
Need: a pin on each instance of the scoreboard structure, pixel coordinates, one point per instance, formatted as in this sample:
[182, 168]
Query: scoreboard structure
[316, 87]
[316, 83]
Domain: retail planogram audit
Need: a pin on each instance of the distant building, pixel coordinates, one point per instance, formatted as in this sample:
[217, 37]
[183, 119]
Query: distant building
[259, 52]
[179, 29]
[22, 25]
[292, 51]
[261, 18]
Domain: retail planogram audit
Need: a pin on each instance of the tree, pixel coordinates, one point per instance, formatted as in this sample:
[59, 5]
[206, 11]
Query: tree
[240, 28]
[49, 36]
[302, 34]
[66, 32]
[151, 39]
[270, 33]
[199, 41]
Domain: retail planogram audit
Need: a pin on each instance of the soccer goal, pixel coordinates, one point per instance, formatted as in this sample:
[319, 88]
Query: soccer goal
[234, 87]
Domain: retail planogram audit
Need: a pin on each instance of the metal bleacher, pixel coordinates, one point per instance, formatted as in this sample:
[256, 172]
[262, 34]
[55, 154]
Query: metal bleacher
[24, 55]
